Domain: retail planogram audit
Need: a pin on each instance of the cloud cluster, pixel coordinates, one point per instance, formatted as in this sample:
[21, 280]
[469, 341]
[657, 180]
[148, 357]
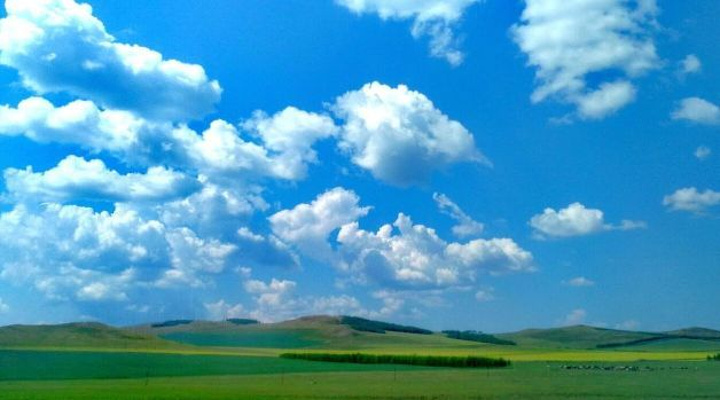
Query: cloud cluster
[59, 46]
[184, 212]
[399, 135]
[576, 220]
[401, 255]
[77, 178]
[616, 44]
[692, 200]
[433, 18]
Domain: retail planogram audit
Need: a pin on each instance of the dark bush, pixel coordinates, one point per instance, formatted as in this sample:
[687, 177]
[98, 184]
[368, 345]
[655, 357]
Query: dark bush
[175, 322]
[427, 361]
[366, 325]
[716, 357]
[475, 336]
[242, 321]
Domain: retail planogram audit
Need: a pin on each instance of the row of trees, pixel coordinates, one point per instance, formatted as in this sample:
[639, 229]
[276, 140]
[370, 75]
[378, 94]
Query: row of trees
[716, 357]
[366, 325]
[475, 336]
[419, 360]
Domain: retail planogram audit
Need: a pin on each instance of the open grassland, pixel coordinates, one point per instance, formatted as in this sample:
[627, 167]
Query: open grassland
[544, 381]
[210, 360]
[43, 365]
[289, 339]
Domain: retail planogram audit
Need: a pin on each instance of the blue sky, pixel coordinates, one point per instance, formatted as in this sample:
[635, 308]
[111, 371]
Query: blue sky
[490, 165]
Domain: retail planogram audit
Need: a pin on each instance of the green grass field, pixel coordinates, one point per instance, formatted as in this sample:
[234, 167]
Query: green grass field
[532, 380]
[273, 339]
[222, 361]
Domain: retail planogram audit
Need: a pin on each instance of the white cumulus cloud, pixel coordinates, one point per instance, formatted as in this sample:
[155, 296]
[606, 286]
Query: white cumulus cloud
[222, 310]
[278, 146]
[576, 220]
[308, 226]
[616, 41]
[692, 200]
[697, 110]
[291, 133]
[76, 178]
[406, 255]
[399, 135]
[59, 46]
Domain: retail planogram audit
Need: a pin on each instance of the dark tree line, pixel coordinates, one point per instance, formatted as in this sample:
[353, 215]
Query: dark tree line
[175, 322]
[366, 325]
[475, 336]
[242, 321]
[418, 360]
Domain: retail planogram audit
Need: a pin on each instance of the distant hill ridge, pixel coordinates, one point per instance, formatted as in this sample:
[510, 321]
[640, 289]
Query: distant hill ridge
[77, 334]
[583, 336]
[321, 331]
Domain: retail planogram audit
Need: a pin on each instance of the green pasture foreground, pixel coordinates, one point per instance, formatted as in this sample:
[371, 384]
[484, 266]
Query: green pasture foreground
[61, 365]
[674, 380]
[263, 339]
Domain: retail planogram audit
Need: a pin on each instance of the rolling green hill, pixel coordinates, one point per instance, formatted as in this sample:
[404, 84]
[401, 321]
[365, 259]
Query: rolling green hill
[588, 337]
[696, 333]
[575, 337]
[78, 335]
[342, 334]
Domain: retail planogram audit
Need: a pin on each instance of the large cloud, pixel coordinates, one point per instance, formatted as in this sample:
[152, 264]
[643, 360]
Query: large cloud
[399, 136]
[79, 122]
[75, 178]
[405, 255]
[433, 18]
[308, 226]
[576, 220]
[615, 42]
[399, 256]
[59, 46]
[291, 133]
[283, 147]
[71, 251]
[692, 200]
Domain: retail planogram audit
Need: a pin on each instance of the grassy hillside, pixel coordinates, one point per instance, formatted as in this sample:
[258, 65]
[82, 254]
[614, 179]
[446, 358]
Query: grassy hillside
[695, 333]
[54, 365]
[78, 335]
[329, 334]
[575, 337]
